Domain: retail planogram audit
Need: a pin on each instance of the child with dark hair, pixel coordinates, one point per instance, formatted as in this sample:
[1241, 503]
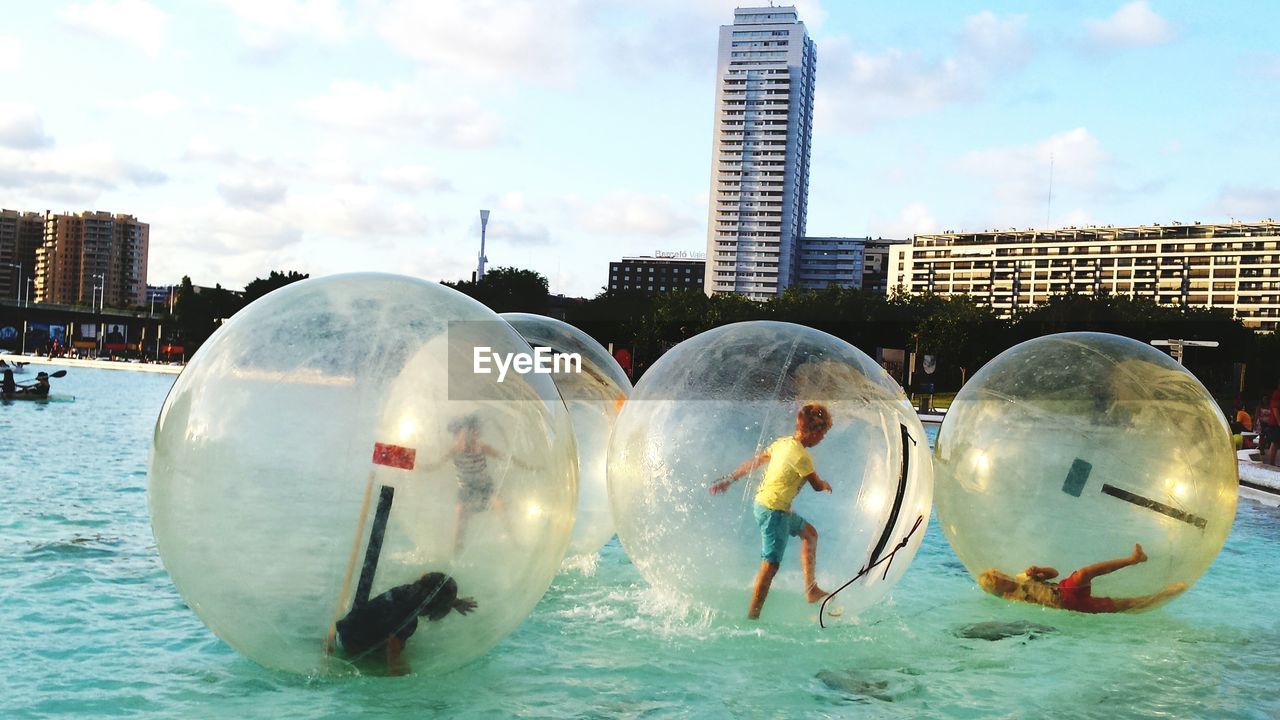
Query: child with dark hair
[391, 618]
[477, 491]
[789, 467]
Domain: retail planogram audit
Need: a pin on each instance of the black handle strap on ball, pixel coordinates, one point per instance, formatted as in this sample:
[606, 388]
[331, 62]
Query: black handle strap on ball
[887, 561]
[374, 550]
[1159, 507]
[1078, 477]
[905, 466]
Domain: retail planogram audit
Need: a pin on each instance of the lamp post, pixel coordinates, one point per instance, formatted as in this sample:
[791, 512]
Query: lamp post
[98, 288]
[30, 281]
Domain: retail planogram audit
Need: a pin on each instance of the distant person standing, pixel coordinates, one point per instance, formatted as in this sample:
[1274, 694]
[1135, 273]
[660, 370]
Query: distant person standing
[1261, 418]
[1272, 429]
[1242, 419]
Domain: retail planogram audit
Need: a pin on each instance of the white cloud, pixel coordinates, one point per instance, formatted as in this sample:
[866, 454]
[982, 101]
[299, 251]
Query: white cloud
[914, 218]
[202, 149]
[73, 175]
[993, 42]
[859, 89]
[10, 54]
[1248, 203]
[156, 104]
[403, 112]
[22, 128]
[135, 22]
[620, 214]
[1020, 176]
[415, 179]
[518, 232]
[684, 30]
[1133, 25]
[513, 201]
[361, 215]
[251, 192]
[500, 39]
[268, 27]
[259, 226]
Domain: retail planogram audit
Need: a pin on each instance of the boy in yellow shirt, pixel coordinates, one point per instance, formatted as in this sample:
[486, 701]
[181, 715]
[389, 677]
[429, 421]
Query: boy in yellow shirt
[790, 467]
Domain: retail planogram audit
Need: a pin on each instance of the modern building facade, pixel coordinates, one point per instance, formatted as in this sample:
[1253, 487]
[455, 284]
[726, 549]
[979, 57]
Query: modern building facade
[760, 157]
[844, 262]
[21, 234]
[825, 261]
[875, 264]
[93, 257]
[1235, 266]
[653, 275]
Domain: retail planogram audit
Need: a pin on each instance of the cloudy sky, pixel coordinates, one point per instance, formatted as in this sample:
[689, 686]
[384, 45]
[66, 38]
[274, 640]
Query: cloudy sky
[328, 136]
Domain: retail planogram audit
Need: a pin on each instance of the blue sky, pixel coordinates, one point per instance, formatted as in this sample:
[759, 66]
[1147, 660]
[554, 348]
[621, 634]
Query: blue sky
[327, 136]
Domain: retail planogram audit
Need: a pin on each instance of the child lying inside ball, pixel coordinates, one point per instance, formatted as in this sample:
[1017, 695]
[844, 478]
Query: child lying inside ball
[789, 468]
[1075, 592]
[391, 618]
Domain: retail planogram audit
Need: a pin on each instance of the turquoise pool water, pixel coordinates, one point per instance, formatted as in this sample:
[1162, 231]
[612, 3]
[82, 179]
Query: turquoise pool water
[91, 626]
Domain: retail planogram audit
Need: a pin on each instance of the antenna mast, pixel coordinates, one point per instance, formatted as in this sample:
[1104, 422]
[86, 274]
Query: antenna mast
[1049, 205]
[484, 223]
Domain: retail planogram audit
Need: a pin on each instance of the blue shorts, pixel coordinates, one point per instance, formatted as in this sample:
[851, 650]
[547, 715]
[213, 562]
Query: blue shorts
[776, 526]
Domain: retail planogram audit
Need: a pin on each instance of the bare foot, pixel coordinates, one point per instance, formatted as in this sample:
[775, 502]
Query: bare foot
[1138, 554]
[815, 593]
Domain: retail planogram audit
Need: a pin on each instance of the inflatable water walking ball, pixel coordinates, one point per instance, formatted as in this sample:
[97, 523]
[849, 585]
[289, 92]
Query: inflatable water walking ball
[595, 389]
[1067, 450]
[334, 441]
[718, 399]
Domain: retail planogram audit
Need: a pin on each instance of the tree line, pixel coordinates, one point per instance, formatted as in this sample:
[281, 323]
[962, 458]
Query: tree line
[961, 333]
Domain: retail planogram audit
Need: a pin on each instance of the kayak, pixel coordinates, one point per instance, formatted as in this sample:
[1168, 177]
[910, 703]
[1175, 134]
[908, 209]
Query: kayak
[52, 397]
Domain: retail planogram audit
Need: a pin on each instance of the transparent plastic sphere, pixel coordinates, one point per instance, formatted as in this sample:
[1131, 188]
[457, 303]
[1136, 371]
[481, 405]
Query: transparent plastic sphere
[719, 399]
[333, 440]
[1067, 450]
[595, 390]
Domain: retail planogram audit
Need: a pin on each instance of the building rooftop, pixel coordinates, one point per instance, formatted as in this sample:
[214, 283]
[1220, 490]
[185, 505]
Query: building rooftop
[1110, 233]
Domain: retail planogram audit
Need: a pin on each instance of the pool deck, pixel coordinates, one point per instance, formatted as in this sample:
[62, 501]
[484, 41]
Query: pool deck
[36, 362]
[1258, 480]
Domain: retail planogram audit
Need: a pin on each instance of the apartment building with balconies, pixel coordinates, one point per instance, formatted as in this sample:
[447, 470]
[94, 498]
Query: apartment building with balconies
[761, 145]
[93, 258]
[21, 234]
[1234, 266]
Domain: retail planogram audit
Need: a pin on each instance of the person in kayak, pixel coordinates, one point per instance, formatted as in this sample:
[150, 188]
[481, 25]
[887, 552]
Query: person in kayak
[9, 387]
[41, 388]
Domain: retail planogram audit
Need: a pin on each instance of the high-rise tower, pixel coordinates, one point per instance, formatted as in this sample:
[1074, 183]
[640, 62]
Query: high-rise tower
[760, 163]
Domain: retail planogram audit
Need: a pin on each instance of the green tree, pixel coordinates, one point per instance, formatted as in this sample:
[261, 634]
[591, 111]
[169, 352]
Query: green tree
[198, 312]
[508, 289]
[274, 281]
